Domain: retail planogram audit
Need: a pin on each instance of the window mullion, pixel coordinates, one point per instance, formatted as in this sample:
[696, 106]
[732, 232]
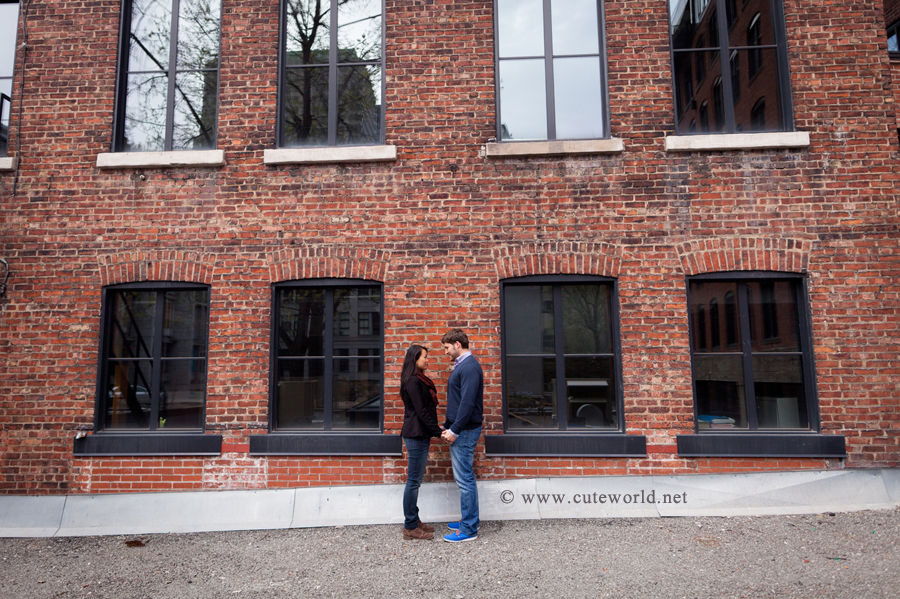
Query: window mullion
[559, 347]
[333, 74]
[747, 355]
[156, 364]
[548, 72]
[172, 70]
[329, 358]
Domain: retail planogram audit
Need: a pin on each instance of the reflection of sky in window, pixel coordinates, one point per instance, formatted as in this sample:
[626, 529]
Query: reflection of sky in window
[9, 21]
[578, 97]
[523, 99]
[359, 27]
[575, 27]
[151, 23]
[520, 24]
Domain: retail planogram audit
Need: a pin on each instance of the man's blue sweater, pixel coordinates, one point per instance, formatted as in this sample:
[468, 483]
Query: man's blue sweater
[465, 396]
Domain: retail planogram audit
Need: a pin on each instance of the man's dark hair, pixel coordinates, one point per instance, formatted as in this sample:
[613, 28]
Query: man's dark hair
[454, 335]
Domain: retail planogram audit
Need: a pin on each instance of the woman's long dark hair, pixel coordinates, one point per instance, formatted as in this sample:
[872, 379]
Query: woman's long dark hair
[409, 363]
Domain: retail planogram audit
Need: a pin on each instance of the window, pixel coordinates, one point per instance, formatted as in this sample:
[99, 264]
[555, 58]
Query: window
[551, 70]
[758, 115]
[561, 356]
[327, 366]
[153, 363]
[332, 73]
[169, 75]
[9, 23]
[727, 37]
[893, 33]
[761, 378]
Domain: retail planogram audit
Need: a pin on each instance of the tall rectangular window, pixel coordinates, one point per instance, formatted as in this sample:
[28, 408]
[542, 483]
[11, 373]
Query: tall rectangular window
[9, 24]
[723, 35]
[153, 362]
[168, 75]
[560, 355]
[761, 377]
[332, 71]
[551, 69]
[328, 368]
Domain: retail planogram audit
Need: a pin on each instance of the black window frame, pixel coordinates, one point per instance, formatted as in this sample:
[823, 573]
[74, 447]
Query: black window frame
[333, 65]
[893, 31]
[172, 72]
[744, 321]
[548, 57]
[753, 441]
[6, 100]
[567, 441]
[308, 441]
[153, 440]
[329, 357]
[719, 26]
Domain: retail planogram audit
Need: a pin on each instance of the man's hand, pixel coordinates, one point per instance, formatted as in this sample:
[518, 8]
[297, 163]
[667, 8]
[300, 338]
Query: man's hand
[448, 436]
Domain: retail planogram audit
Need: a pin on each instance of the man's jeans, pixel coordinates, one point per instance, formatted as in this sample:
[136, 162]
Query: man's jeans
[417, 450]
[462, 455]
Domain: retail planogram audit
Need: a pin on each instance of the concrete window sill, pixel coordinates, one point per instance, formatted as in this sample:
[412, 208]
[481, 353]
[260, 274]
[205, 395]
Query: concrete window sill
[737, 141]
[7, 164]
[114, 160]
[512, 149]
[320, 154]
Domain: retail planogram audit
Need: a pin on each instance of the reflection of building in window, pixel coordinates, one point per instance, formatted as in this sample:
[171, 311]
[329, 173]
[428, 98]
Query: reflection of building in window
[332, 73]
[9, 23]
[714, 323]
[753, 37]
[169, 90]
[559, 365]
[551, 76]
[760, 384]
[328, 367]
[893, 37]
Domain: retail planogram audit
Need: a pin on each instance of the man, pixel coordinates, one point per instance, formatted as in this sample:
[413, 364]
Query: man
[462, 429]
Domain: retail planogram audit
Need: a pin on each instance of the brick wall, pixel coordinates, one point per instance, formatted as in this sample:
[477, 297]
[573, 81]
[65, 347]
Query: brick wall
[440, 227]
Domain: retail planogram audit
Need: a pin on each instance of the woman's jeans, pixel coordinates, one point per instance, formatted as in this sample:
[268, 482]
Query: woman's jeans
[417, 450]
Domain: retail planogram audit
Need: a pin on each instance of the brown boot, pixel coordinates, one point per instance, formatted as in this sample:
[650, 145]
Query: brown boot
[417, 533]
[426, 527]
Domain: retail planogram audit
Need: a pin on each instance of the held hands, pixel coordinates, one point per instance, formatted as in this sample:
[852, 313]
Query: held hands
[448, 436]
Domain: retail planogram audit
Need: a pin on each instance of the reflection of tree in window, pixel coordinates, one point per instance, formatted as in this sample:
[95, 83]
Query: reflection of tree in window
[170, 66]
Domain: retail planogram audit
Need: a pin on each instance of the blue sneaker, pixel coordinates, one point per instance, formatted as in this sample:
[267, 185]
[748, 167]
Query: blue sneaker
[453, 525]
[458, 537]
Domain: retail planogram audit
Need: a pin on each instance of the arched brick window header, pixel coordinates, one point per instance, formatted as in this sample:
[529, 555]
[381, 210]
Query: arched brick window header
[327, 263]
[557, 258]
[155, 265]
[743, 253]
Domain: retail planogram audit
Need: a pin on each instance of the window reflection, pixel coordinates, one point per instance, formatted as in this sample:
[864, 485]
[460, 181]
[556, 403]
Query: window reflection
[550, 74]
[9, 23]
[332, 90]
[551, 327]
[171, 106]
[750, 42]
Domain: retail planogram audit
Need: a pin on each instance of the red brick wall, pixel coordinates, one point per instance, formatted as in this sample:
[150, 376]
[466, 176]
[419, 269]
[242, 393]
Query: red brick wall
[440, 227]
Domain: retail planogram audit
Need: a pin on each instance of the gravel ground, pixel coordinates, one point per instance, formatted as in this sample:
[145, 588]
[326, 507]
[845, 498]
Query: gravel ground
[828, 555]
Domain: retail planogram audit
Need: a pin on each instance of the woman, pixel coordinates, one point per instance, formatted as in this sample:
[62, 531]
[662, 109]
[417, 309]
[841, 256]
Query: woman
[419, 425]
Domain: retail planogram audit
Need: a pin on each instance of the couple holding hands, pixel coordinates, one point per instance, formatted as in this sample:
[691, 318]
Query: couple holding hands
[461, 429]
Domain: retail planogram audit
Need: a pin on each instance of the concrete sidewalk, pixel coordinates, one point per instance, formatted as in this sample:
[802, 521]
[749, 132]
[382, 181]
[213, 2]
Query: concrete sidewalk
[805, 492]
